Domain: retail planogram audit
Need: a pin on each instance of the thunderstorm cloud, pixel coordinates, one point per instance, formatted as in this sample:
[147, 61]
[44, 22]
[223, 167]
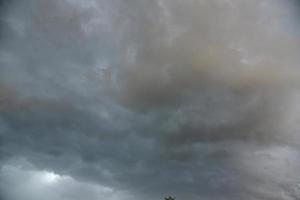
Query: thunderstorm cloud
[142, 99]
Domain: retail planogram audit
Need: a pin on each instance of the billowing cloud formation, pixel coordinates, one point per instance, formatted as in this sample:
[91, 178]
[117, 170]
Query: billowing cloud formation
[142, 99]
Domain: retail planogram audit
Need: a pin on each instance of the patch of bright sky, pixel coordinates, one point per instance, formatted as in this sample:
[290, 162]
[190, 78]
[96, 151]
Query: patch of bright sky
[17, 182]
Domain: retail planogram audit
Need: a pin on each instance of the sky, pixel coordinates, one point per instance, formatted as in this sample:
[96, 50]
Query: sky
[139, 99]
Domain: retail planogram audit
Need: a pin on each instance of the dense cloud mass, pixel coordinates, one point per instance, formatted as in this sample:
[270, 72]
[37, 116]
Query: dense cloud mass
[123, 100]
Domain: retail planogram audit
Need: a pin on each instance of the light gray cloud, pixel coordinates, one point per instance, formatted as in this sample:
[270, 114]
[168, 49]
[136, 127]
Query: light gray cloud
[141, 99]
[22, 182]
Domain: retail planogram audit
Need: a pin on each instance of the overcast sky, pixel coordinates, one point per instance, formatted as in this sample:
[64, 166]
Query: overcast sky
[142, 99]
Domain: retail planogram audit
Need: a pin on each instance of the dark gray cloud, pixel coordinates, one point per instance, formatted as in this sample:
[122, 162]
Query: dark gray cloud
[141, 99]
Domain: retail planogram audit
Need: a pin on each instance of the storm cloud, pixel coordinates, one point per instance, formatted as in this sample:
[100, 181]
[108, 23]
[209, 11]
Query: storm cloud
[117, 100]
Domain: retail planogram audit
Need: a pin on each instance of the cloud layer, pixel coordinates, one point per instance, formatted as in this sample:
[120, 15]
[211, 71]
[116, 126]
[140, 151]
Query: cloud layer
[144, 99]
